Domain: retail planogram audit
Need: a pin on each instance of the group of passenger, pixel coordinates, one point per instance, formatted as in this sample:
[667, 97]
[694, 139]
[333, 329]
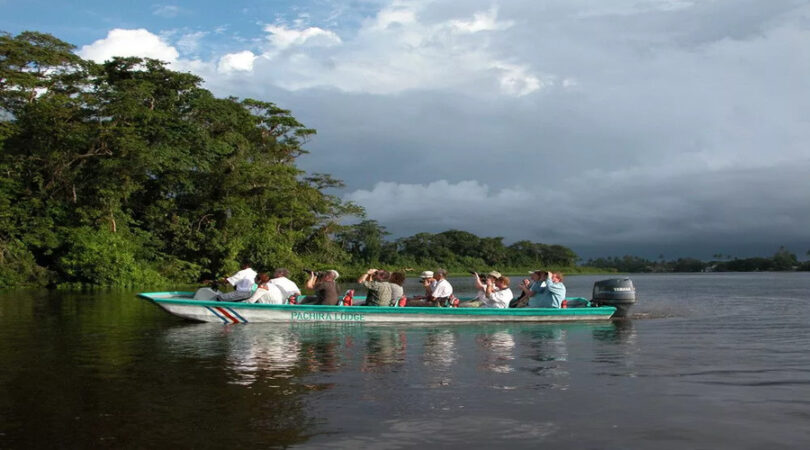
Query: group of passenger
[543, 289]
[252, 287]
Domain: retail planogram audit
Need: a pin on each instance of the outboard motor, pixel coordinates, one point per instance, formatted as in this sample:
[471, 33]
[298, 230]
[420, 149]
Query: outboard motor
[618, 292]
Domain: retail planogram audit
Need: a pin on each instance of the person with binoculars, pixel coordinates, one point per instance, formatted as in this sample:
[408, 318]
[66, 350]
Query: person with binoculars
[546, 291]
[379, 289]
[493, 291]
[323, 283]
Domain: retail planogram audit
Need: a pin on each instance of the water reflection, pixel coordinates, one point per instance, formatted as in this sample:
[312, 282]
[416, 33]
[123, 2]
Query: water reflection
[385, 347]
[547, 347]
[250, 354]
[496, 351]
[440, 348]
[618, 346]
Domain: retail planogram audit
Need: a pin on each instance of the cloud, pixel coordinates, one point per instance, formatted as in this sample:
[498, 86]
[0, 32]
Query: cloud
[242, 61]
[120, 42]
[166, 11]
[685, 210]
[189, 42]
[398, 49]
[282, 38]
[481, 21]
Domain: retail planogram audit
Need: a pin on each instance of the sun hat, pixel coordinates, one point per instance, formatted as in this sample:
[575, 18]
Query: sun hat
[494, 274]
[426, 274]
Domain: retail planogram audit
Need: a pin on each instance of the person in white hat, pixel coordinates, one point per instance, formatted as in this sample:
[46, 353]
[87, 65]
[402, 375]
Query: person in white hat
[496, 294]
[481, 285]
[442, 289]
[428, 281]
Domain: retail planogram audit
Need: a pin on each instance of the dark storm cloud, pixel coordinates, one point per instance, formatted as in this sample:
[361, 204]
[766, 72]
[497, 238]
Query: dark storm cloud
[619, 127]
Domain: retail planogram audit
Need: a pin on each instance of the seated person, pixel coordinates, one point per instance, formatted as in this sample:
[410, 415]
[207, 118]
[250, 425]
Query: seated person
[496, 294]
[427, 280]
[549, 296]
[536, 276]
[397, 280]
[267, 292]
[481, 286]
[326, 291]
[379, 289]
[288, 287]
[242, 282]
[441, 291]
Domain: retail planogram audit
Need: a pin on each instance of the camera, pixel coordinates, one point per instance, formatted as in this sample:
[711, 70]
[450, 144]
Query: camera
[313, 272]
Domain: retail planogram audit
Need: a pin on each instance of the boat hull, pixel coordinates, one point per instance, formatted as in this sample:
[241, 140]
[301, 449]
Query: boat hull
[182, 305]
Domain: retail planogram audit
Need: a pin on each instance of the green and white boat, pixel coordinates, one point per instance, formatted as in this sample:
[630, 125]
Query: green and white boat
[182, 304]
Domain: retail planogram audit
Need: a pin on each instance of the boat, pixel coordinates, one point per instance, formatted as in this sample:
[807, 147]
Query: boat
[183, 304]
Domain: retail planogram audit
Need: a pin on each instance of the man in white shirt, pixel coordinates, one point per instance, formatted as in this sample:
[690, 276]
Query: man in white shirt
[441, 292]
[288, 287]
[267, 292]
[242, 282]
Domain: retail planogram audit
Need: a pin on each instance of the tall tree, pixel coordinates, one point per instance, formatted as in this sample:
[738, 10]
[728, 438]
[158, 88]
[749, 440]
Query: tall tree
[98, 157]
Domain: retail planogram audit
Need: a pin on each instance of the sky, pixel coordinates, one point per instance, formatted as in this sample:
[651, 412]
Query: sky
[653, 128]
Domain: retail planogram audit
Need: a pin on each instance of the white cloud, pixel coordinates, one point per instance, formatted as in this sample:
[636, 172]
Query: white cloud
[166, 11]
[398, 50]
[282, 38]
[481, 21]
[515, 80]
[120, 42]
[241, 61]
[189, 43]
[394, 15]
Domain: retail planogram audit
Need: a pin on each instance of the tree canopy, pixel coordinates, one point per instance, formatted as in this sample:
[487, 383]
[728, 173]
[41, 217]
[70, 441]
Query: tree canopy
[128, 172]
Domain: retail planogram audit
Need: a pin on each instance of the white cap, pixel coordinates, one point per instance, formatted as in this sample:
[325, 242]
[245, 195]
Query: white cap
[426, 274]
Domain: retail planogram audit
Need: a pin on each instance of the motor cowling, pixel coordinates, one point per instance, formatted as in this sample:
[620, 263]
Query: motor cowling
[617, 292]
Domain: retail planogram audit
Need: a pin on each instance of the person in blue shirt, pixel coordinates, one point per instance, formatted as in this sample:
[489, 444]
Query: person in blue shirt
[549, 294]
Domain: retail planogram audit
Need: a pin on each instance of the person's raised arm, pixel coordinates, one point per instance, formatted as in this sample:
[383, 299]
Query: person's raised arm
[311, 281]
[524, 286]
[477, 281]
[490, 287]
[365, 276]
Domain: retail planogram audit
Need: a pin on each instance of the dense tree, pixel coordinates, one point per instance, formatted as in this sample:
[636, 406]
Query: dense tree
[364, 242]
[784, 260]
[128, 172]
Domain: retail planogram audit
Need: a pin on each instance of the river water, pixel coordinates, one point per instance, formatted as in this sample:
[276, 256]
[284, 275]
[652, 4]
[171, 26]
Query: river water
[707, 361]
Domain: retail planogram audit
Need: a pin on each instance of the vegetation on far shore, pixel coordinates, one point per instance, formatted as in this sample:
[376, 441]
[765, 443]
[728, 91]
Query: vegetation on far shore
[129, 174]
[782, 260]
